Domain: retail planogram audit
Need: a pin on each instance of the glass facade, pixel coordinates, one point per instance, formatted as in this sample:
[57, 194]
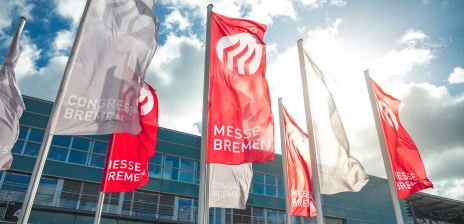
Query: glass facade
[73, 171]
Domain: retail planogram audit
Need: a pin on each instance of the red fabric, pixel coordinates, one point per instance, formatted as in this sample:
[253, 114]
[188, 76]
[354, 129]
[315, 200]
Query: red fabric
[126, 167]
[240, 120]
[407, 167]
[299, 188]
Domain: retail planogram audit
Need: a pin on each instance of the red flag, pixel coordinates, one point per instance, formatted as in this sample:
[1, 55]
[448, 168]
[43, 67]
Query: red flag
[407, 167]
[126, 167]
[299, 188]
[240, 120]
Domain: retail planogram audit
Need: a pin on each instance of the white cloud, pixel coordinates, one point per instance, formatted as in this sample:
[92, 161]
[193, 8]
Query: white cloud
[176, 18]
[26, 65]
[457, 76]
[44, 82]
[399, 63]
[451, 188]
[177, 73]
[13, 10]
[71, 10]
[63, 41]
[261, 11]
[412, 37]
[338, 3]
[321, 3]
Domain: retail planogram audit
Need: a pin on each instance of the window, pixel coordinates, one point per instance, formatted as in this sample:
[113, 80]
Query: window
[166, 207]
[175, 168]
[141, 204]
[258, 215]
[110, 205]
[70, 194]
[242, 216]
[330, 220]
[35, 135]
[89, 196]
[267, 184]
[272, 217]
[184, 211]
[46, 191]
[98, 155]
[14, 186]
[57, 153]
[70, 149]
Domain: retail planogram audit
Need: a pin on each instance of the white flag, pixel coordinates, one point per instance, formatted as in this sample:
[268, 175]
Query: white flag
[339, 170]
[11, 101]
[229, 185]
[117, 46]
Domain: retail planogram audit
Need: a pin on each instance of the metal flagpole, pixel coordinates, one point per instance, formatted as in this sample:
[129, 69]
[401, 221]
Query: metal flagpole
[283, 139]
[101, 195]
[383, 148]
[98, 212]
[310, 129]
[203, 208]
[45, 146]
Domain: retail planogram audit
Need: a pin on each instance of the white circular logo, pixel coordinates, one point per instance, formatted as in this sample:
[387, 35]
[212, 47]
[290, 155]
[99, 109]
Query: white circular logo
[387, 114]
[146, 100]
[240, 52]
[129, 17]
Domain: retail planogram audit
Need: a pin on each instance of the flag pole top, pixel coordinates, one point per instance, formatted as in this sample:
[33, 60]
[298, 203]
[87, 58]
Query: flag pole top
[22, 17]
[210, 5]
[300, 40]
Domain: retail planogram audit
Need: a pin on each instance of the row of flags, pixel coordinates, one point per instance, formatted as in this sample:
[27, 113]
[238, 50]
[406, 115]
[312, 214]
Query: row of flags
[103, 92]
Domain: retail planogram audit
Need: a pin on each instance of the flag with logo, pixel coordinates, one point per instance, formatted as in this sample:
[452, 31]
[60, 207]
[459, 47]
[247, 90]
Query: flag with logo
[126, 167]
[117, 46]
[339, 170]
[298, 163]
[407, 167]
[229, 185]
[11, 101]
[240, 120]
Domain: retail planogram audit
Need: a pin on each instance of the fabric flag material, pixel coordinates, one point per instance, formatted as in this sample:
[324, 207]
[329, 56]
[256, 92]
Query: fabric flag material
[240, 120]
[229, 185]
[118, 44]
[126, 167]
[11, 101]
[339, 170]
[299, 188]
[407, 167]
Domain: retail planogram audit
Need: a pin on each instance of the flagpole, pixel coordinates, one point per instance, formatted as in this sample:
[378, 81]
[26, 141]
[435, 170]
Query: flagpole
[101, 195]
[98, 212]
[310, 129]
[45, 146]
[17, 35]
[283, 140]
[203, 208]
[383, 149]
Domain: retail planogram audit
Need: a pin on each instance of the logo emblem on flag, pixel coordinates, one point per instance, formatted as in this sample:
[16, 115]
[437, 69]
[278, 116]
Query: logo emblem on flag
[240, 52]
[387, 114]
[146, 100]
[128, 17]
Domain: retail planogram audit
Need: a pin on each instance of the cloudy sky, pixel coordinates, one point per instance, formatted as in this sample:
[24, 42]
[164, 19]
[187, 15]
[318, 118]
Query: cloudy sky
[413, 49]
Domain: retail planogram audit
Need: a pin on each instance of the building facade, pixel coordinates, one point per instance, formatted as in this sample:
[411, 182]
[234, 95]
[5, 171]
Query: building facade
[69, 187]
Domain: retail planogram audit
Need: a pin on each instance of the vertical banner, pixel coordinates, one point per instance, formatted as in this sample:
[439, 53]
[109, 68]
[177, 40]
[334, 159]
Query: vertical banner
[126, 167]
[240, 120]
[340, 171]
[229, 185]
[407, 167]
[118, 44]
[299, 189]
[11, 101]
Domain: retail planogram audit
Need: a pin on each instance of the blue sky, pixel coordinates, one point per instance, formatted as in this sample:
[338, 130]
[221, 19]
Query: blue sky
[413, 49]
